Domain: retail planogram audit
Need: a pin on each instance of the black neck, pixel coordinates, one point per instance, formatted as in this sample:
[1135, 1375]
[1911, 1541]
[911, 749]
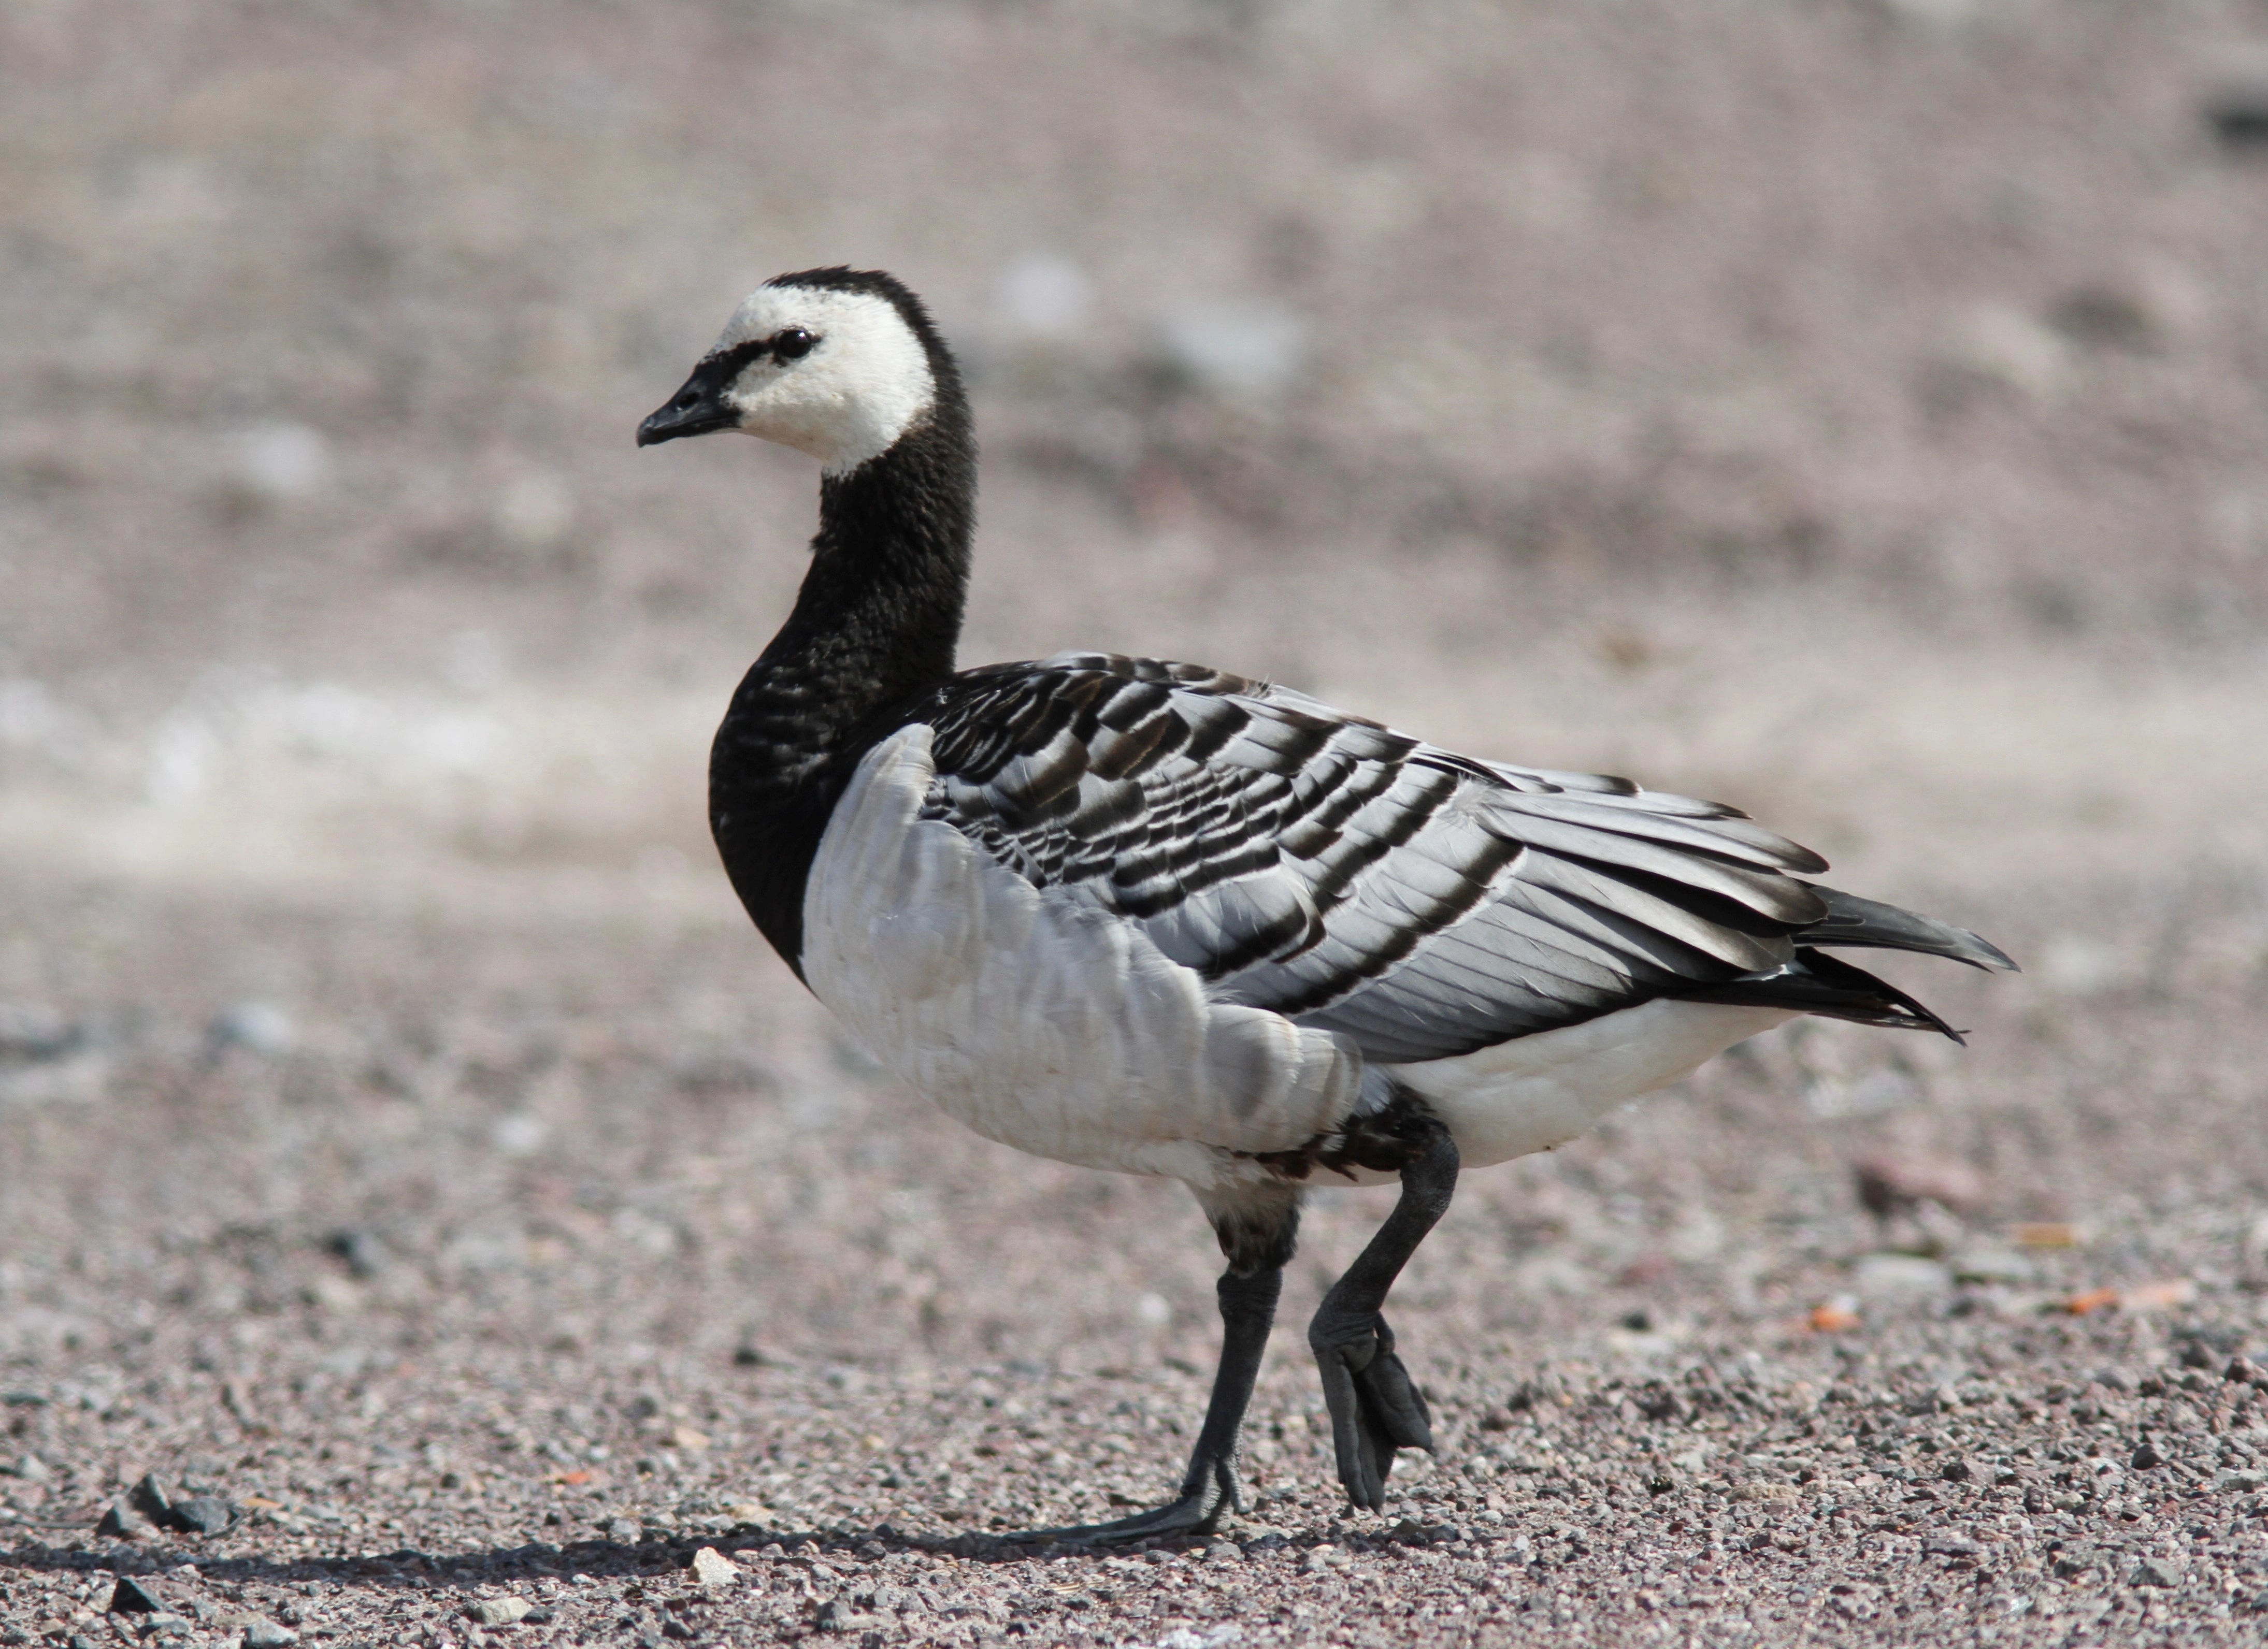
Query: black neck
[879, 616]
[875, 625]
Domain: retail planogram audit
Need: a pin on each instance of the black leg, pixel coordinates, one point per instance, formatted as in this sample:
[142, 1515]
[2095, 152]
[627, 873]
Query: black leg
[1257, 1233]
[1375, 1407]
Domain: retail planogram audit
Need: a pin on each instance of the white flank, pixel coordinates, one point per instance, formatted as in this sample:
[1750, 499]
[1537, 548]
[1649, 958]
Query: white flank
[862, 387]
[1537, 1091]
[1049, 1025]
[1036, 1019]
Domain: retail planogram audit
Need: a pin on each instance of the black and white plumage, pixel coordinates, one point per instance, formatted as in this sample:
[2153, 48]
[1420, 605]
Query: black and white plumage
[1152, 917]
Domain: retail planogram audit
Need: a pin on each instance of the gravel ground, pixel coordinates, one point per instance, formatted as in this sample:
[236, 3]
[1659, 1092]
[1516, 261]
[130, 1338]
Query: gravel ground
[427, 1215]
[508, 1265]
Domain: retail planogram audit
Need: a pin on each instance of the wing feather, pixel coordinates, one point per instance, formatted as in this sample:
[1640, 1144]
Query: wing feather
[1349, 877]
[1727, 837]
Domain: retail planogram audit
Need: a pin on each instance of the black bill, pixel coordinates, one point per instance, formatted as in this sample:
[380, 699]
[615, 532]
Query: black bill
[698, 409]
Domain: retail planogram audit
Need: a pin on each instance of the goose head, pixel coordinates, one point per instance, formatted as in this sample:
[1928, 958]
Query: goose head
[837, 363]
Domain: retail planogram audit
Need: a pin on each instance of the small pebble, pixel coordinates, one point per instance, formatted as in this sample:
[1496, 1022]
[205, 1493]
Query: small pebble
[1994, 1265]
[121, 1521]
[265, 1634]
[363, 1250]
[1888, 1184]
[202, 1514]
[501, 1611]
[153, 1497]
[1880, 1276]
[712, 1568]
[2239, 118]
[261, 1027]
[131, 1596]
[839, 1615]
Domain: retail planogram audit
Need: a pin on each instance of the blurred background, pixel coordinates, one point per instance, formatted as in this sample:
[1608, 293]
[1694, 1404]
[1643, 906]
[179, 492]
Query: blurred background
[1853, 410]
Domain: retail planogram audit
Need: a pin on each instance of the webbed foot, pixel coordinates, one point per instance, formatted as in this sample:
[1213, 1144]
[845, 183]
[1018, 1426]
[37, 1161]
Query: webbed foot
[1210, 1491]
[1375, 1407]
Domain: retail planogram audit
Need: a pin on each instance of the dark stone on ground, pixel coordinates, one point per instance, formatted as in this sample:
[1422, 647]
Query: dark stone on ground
[365, 1253]
[121, 1521]
[202, 1514]
[153, 1498]
[2240, 119]
[131, 1596]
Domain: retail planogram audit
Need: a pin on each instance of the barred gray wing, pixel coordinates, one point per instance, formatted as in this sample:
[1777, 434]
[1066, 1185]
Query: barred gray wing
[1350, 877]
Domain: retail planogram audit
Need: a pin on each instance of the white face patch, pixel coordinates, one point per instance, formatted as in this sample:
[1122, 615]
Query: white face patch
[863, 384]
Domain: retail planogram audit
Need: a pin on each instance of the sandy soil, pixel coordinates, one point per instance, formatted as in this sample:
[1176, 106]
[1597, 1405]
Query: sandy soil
[1851, 410]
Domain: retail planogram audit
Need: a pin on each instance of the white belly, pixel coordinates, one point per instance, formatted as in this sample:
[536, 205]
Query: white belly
[1041, 1021]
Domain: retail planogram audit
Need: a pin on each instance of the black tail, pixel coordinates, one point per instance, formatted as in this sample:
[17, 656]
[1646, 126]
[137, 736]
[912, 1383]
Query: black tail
[1862, 923]
[1815, 983]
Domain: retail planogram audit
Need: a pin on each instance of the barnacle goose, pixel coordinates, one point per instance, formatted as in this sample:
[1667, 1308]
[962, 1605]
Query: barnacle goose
[1156, 918]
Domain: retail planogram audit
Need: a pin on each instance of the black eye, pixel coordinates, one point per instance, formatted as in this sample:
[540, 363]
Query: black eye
[792, 345]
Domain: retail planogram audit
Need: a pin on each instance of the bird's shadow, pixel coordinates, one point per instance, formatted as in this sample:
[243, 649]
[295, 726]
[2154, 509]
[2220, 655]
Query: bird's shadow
[645, 1560]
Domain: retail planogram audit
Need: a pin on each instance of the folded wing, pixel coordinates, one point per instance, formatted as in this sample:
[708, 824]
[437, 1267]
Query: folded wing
[1357, 880]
